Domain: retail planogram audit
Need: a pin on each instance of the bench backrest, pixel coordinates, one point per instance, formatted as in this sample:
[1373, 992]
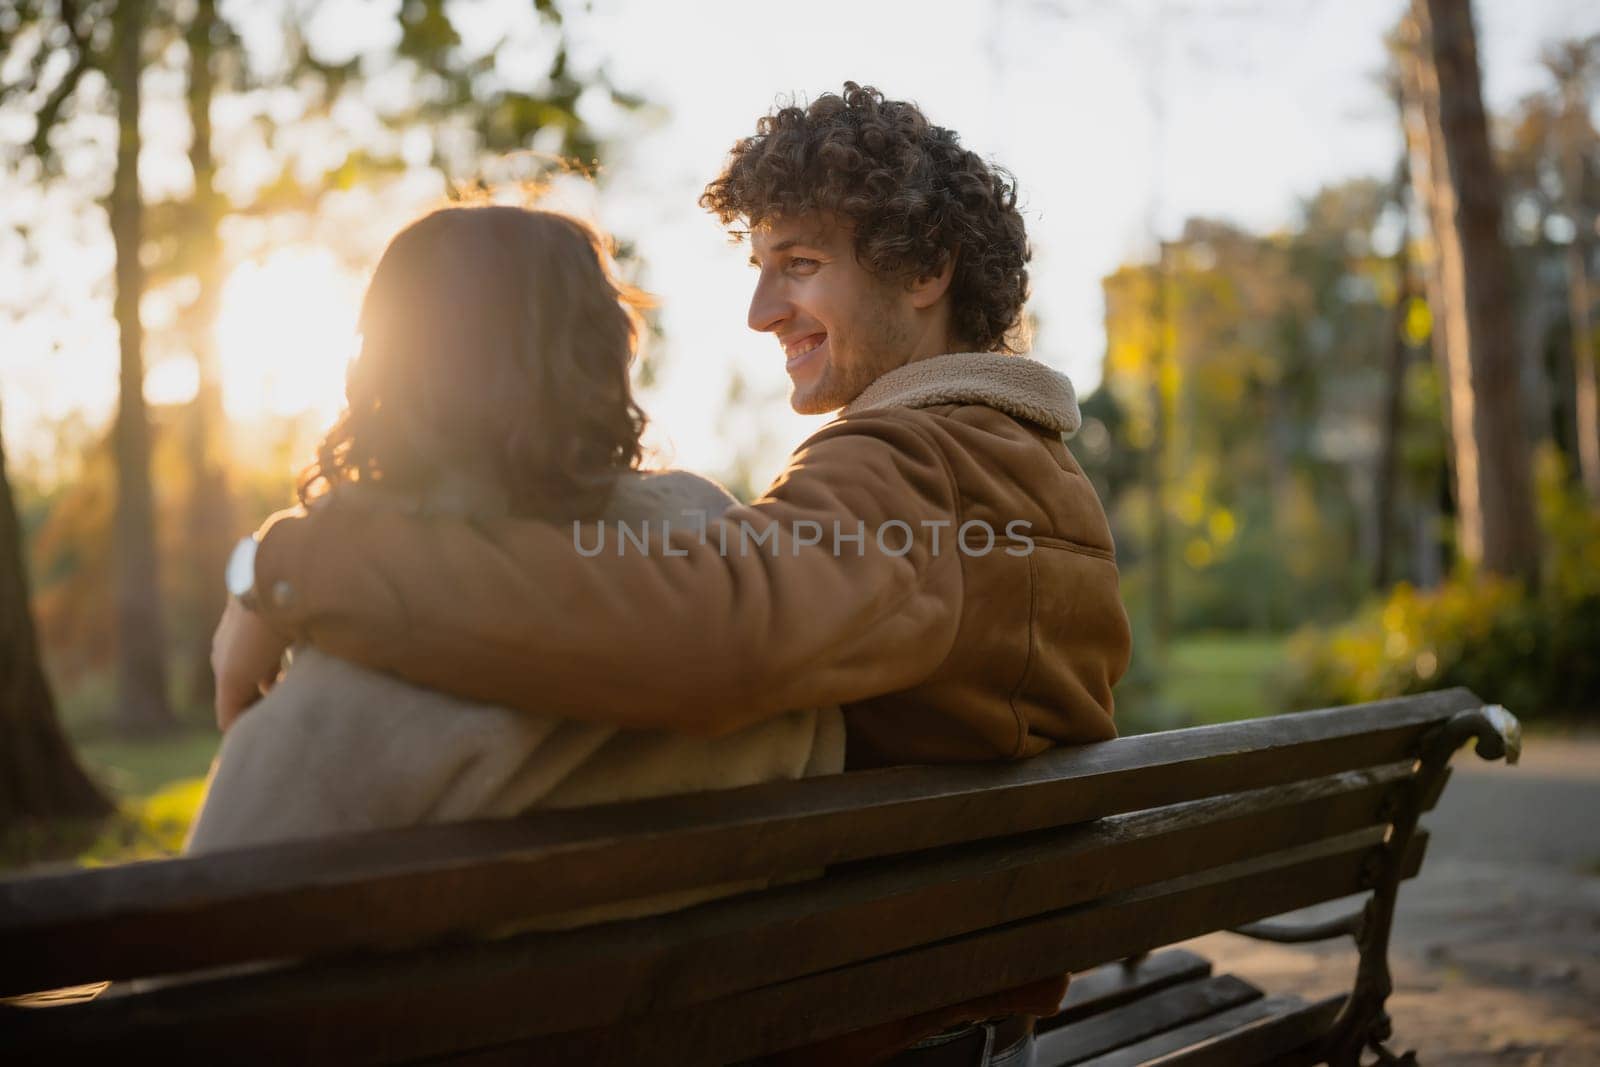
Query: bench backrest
[941, 884]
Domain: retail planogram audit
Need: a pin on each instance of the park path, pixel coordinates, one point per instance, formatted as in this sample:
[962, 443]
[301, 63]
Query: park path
[1497, 943]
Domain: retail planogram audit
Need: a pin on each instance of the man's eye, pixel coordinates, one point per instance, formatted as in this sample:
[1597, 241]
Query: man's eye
[802, 264]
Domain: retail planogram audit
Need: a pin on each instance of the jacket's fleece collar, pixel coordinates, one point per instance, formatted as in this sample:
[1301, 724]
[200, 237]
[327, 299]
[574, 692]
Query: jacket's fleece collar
[1020, 387]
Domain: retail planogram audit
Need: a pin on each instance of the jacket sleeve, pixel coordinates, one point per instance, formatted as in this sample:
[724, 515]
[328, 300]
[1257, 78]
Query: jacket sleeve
[720, 631]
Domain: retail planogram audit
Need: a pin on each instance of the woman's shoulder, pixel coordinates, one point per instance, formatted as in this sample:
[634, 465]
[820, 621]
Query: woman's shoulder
[657, 494]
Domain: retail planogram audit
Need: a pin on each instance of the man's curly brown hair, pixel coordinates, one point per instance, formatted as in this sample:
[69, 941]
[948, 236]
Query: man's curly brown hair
[915, 196]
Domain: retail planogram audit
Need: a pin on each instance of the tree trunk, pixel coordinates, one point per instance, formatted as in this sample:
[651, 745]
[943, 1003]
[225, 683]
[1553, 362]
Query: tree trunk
[141, 652]
[1493, 470]
[1394, 384]
[1419, 150]
[1162, 395]
[1583, 368]
[209, 522]
[39, 776]
[1583, 371]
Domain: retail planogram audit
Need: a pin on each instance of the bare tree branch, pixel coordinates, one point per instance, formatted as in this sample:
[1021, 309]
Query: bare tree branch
[50, 110]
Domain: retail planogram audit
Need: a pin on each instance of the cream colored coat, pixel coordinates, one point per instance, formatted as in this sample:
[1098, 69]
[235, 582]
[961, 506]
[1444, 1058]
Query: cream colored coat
[336, 748]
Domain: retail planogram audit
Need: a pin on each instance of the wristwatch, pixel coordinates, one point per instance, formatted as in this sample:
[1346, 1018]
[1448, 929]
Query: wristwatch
[240, 576]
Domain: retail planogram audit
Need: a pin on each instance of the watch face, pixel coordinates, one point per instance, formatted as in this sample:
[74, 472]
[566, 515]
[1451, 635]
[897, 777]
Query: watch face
[241, 574]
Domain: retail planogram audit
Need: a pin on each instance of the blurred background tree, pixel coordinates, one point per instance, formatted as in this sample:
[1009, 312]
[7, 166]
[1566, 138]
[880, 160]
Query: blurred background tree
[129, 551]
[1321, 476]
[1554, 154]
[1494, 492]
[40, 778]
[108, 40]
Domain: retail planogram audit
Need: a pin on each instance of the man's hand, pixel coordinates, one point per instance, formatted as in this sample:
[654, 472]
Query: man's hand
[246, 655]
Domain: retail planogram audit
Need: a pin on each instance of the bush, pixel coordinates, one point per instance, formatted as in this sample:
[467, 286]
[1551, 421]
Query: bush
[1536, 652]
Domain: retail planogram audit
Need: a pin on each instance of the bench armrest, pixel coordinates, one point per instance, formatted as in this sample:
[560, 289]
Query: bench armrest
[1498, 733]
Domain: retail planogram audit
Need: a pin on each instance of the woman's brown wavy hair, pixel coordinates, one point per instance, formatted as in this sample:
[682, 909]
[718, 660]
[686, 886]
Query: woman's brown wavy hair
[915, 196]
[496, 337]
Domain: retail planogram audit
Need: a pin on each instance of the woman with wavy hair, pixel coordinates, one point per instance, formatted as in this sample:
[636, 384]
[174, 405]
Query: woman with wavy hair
[492, 382]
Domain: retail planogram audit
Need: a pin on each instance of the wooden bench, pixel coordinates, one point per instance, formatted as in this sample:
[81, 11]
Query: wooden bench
[941, 884]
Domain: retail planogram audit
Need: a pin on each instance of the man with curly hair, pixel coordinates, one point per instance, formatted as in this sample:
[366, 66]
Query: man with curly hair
[862, 211]
[933, 559]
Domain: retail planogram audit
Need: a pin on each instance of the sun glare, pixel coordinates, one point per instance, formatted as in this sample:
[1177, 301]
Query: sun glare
[286, 332]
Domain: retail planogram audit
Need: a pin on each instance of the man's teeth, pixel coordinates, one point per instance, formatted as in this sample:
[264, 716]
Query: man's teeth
[805, 346]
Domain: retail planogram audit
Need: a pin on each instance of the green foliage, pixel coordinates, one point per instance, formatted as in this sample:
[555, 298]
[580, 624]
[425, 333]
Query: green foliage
[1477, 632]
[147, 828]
[1270, 564]
[1538, 652]
[1243, 377]
[476, 114]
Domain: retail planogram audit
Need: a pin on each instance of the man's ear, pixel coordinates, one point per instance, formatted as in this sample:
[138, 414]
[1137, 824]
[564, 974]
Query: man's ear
[926, 292]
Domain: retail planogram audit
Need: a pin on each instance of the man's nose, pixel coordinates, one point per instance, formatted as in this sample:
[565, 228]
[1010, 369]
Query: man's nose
[768, 309]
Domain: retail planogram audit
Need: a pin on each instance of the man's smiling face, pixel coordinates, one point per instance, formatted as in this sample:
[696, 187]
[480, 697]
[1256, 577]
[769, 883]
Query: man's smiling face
[841, 326]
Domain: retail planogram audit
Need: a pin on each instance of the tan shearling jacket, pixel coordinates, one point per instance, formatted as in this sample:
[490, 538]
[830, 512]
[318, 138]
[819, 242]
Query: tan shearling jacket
[845, 583]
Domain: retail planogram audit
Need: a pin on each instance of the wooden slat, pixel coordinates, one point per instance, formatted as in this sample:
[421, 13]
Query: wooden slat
[818, 1007]
[1154, 1049]
[1115, 984]
[874, 911]
[441, 1004]
[1274, 1039]
[1142, 1019]
[409, 886]
[878, 909]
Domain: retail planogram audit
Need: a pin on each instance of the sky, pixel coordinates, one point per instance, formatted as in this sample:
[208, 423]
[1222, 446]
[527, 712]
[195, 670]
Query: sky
[1118, 119]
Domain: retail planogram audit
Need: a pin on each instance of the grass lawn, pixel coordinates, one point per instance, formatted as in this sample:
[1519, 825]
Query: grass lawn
[140, 768]
[1223, 677]
[157, 784]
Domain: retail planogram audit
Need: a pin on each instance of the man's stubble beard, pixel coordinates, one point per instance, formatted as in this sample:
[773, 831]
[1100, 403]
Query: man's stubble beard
[887, 343]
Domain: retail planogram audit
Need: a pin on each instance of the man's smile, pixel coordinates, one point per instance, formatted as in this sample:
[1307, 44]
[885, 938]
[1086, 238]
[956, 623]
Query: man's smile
[801, 350]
